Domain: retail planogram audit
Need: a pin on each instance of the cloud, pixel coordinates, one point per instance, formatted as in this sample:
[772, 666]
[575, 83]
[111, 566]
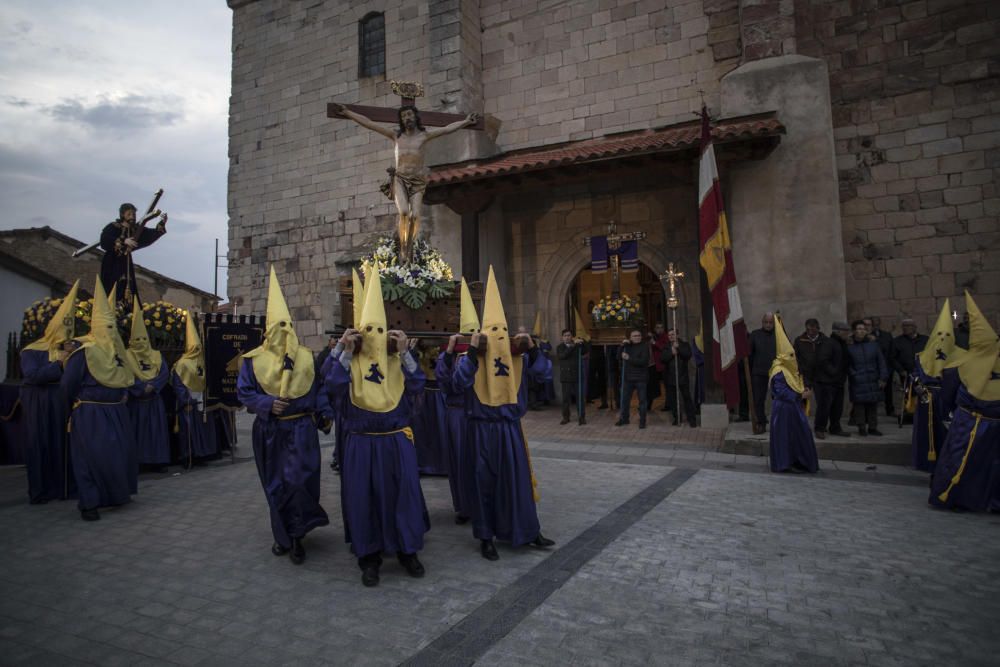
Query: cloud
[17, 102]
[132, 112]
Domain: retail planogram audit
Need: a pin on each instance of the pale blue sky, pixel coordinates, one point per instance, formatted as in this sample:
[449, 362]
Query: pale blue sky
[105, 101]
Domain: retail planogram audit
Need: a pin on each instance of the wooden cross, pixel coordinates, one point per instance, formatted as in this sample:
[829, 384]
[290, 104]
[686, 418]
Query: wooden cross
[615, 241]
[672, 276]
[408, 92]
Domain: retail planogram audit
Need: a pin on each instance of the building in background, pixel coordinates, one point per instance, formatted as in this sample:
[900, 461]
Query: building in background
[859, 147]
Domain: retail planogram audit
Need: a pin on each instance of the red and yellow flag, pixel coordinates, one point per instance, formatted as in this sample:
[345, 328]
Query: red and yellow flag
[728, 329]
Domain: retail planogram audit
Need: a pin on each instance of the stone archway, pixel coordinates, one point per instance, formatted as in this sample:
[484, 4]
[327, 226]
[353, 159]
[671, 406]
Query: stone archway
[562, 268]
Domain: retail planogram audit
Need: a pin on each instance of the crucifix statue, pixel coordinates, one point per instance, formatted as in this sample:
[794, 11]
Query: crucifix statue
[408, 176]
[615, 241]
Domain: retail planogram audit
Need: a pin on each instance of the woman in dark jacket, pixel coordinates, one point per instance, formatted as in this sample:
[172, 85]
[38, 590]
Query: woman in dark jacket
[867, 373]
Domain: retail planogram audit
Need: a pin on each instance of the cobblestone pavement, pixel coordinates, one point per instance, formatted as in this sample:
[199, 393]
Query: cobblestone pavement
[665, 555]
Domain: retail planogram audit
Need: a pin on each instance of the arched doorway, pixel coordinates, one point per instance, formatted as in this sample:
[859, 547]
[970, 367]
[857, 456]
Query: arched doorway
[587, 288]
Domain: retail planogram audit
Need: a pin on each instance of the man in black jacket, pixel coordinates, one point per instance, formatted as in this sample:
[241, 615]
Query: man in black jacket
[884, 340]
[675, 359]
[762, 353]
[806, 347]
[829, 378]
[635, 357]
[905, 348]
[571, 352]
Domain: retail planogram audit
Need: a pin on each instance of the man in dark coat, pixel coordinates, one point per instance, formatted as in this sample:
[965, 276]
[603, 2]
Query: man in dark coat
[762, 352]
[884, 341]
[658, 341]
[118, 240]
[806, 347]
[675, 359]
[635, 357]
[830, 374]
[867, 372]
[571, 352]
[905, 348]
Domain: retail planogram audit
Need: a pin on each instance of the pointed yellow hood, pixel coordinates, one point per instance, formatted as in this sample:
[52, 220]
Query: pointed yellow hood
[376, 378]
[499, 376]
[144, 359]
[468, 319]
[979, 366]
[784, 360]
[60, 327]
[940, 345]
[190, 368]
[581, 328]
[107, 360]
[358, 288]
[283, 368]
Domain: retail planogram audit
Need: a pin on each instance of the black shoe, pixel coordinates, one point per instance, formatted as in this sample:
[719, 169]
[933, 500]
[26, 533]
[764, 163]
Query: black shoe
[874, 431]
[461, 520]
[664, 409]
[693, 424]
[488, 550]
[411, 564]
[564, 422]
[642, 424]
[821, 435]
[298, 552]
[278, 550]
[369, 576]
[541, 542]
[842, 434]
[90, 515]
[674, 422]
[862, 431]
[583, 421]
[602, 406]
[620, 423]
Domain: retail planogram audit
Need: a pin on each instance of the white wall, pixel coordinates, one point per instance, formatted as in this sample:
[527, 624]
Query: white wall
[18, 293]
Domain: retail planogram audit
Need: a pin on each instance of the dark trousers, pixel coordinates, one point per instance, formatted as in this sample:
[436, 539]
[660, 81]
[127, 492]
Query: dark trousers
[653, 387]
[634, 387]
[570, 392]
[865, 415]
[829, 406]
[890, 408]
[686, 399]
[759, 383]
[744, 409]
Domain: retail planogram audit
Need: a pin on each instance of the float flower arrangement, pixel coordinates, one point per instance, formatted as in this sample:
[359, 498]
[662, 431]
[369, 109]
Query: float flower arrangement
[427, 276]
[620, 311]
[165, 321]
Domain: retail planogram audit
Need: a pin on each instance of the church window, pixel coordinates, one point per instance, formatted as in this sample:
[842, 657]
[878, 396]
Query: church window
[371, 45]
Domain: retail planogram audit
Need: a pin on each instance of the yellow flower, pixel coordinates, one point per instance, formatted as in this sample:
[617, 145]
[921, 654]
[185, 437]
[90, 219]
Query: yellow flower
[86, 318]
[146, 322]
[168, 327]
[157, 324]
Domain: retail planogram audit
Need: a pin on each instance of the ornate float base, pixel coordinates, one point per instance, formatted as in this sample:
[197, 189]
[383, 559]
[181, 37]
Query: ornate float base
[437, 317]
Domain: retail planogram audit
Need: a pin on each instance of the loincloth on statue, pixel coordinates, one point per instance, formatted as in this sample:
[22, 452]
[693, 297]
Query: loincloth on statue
[411, 184]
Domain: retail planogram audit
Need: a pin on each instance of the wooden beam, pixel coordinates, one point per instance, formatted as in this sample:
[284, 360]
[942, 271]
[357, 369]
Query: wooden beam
[390, 115]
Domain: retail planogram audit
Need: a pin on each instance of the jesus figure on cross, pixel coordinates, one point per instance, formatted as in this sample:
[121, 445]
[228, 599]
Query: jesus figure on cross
[408, 178]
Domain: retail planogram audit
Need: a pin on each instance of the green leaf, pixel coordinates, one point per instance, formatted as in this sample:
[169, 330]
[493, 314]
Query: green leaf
[440, 290]
[413, 297]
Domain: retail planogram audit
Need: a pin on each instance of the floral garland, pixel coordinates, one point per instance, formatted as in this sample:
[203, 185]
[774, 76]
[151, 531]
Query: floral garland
[426, 276]
[619, 311]
[166, 321]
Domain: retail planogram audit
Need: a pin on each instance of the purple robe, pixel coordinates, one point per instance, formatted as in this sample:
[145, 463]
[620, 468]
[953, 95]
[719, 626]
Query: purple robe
[46, 452]
[428, 430]
[286, 450]
[195, 434]
[792, 444]
[497, 470]
[149, 419]
[453, 433]
[967, 475]
[941, 392]
[338, 427]
[380, 495]
[100, 437]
